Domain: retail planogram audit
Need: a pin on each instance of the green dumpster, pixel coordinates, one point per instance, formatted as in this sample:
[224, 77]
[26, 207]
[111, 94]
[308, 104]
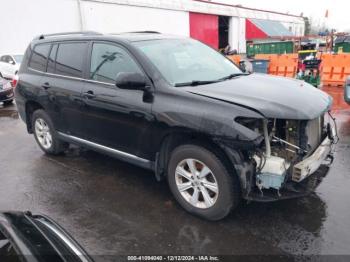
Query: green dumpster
[342, 44]
[281, 47]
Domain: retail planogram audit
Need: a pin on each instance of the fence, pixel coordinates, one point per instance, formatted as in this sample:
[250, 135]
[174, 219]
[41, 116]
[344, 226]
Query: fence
[281, 65]
[235, 59]
[335, 69]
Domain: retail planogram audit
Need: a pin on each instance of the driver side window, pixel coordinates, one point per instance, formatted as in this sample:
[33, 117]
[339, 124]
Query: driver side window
[108, 60]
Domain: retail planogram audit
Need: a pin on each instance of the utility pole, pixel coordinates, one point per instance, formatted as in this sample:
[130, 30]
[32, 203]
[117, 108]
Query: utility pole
[81, 18]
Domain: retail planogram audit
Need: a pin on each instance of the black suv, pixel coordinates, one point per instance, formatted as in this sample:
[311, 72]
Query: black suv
[180, 108]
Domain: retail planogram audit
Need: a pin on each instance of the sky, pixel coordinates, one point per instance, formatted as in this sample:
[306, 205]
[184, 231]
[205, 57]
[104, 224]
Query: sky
[338, 10]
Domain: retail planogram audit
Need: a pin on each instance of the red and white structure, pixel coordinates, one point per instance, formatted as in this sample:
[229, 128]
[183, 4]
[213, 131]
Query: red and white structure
[209, 21]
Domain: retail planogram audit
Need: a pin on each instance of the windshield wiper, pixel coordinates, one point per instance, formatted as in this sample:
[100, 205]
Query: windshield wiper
[196, 83]
[233, 76]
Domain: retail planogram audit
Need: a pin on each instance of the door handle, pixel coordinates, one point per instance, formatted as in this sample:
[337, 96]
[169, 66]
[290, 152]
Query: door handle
[46, 85]
[89, 94]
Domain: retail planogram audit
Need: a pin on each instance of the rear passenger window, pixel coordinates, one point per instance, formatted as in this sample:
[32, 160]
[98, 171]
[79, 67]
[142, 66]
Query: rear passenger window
[52, 57]
[109, 60]
[69, 59]
[39, 57]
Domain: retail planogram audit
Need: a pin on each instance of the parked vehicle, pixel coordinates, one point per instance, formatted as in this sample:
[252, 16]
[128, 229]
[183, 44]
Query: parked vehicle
[6, 91]
[178, 107]
[9, 64]
[27, 237]
[309, 67]
[347, 90]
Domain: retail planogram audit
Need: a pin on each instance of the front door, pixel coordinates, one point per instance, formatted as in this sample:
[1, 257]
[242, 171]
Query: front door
[114, 117]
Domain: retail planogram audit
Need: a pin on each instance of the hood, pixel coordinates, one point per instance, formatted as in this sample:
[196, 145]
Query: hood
[274, 97]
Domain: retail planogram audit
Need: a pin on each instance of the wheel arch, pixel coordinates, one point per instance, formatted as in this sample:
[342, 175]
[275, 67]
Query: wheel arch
[30, 107]
[178, 137]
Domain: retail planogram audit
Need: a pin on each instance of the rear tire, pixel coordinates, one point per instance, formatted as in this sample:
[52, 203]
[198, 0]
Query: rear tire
[201, 182]
[46, 135]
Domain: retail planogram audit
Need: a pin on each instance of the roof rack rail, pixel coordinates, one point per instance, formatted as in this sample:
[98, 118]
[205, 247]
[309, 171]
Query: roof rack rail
[40, 37]
[138, 32]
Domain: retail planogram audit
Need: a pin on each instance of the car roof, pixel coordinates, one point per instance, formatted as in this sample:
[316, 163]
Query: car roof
[12, 54]
[124, 37]
[141, 36]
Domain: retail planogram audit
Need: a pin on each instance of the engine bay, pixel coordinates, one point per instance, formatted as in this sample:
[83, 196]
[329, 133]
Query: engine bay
[286, 144]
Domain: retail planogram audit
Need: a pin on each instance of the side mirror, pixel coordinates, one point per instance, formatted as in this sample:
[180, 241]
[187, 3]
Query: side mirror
[12, 62]
[132, 81]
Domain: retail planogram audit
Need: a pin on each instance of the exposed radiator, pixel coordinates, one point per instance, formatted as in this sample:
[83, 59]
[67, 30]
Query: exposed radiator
[313, 132]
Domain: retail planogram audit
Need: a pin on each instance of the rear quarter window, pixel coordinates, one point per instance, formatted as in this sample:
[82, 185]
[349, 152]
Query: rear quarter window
[39, 57]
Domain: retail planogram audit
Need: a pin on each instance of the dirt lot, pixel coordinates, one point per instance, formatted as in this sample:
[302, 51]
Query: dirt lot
[113, 208]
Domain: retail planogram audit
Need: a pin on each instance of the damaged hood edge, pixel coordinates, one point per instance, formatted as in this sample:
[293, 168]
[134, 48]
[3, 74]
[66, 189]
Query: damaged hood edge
[270, 96]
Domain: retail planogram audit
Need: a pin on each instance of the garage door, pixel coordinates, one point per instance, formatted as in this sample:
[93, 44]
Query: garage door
[205, 28]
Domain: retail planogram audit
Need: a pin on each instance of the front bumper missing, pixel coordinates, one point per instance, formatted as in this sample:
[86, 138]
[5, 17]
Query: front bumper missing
[306, 175]
[292, 189]
[309, 165]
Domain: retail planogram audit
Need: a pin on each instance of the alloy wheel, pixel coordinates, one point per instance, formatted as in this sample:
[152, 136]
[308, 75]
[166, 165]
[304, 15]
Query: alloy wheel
[196, 183]
[42, 132]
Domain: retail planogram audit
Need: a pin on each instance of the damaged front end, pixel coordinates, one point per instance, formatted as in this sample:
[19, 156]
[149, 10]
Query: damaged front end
[290, 161]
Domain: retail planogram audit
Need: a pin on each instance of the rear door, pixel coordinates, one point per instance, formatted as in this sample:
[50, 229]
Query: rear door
[31, 80]
[64, 83]
[114, 117]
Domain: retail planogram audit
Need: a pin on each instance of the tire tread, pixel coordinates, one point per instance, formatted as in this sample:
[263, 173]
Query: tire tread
[234, 189]
[58, 146]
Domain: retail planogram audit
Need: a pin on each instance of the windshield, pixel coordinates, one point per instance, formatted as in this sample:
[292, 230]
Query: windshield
[187, 60]
[18, 58]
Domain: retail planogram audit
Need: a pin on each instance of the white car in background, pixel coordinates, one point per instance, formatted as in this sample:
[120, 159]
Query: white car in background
[9, 64]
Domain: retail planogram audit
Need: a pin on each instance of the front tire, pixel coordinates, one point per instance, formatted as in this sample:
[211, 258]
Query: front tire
[201, 182]
[46, 135]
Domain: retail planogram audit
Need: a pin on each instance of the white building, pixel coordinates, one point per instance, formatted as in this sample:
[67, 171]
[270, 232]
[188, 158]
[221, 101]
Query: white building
[214, 23]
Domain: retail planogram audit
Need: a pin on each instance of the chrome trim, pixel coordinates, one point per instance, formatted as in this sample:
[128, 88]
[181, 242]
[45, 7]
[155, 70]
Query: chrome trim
[51, 74]
[105, 148]
[71, 77]
[66, 240]
[97, 82]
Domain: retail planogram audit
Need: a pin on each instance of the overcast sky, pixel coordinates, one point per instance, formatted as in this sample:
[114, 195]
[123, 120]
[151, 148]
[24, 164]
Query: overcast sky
[339, 10]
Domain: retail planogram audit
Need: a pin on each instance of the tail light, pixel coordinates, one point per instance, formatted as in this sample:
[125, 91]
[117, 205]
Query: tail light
[14, 81]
